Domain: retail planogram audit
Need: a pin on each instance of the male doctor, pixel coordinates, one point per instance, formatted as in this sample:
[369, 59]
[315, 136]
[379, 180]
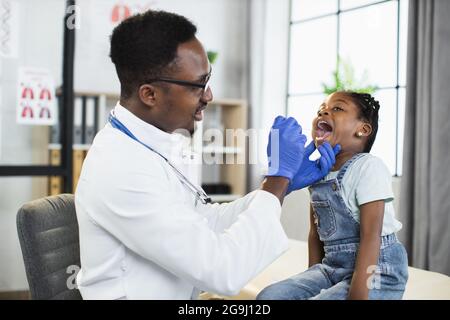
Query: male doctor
[146, 230]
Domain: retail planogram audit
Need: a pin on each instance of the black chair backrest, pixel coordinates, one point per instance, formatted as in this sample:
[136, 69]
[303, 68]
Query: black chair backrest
[48, 235]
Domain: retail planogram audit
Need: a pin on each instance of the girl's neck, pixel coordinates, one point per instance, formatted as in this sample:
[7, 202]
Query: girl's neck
[342, 157]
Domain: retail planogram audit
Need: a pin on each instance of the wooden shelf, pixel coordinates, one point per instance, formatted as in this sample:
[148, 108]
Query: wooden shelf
[57, 146]
[55, 183]
[222, 115]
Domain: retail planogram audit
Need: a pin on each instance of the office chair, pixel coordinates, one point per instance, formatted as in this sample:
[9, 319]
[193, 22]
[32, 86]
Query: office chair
[48, 236]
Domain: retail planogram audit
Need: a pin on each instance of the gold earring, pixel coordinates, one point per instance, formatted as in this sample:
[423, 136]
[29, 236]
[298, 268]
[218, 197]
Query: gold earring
[359, 134]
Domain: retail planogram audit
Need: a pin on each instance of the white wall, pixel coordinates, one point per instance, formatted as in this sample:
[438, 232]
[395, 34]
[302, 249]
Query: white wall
[222, 26]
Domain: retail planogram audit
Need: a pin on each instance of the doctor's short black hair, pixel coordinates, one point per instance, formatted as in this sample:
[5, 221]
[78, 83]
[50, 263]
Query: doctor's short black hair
[368, 111]
[143, 46]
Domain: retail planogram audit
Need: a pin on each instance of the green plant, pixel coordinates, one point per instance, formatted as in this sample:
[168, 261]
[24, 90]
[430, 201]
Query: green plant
[345, 79]
[212, 56]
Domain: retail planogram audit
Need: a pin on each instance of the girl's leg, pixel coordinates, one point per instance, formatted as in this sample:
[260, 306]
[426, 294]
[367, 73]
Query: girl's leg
[390, 282]
[337, 292]
[299, 287]
[387, 284]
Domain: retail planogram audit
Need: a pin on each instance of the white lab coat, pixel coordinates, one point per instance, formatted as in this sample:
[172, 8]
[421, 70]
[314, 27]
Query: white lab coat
[142, 234]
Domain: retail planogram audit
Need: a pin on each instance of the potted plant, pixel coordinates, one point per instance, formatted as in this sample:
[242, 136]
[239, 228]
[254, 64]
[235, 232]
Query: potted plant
[344, 79]
[212, 56]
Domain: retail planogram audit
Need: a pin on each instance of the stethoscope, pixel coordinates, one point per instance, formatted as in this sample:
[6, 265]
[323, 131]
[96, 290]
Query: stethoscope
[198, 192]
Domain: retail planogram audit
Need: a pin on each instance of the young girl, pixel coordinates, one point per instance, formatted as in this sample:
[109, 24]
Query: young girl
[353, 249]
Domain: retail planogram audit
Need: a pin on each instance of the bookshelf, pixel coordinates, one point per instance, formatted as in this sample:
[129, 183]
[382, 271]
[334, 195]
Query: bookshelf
[223, 147]
[79, 153]
[91, 110]
[219, 138]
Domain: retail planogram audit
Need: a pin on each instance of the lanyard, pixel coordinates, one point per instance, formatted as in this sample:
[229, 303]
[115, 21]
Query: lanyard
[198, 192]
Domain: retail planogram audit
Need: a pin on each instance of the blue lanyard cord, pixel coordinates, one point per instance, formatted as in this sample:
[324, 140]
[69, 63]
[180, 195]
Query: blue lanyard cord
[199, 193]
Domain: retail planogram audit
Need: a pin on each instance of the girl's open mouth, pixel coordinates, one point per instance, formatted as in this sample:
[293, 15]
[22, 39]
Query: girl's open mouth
[323, 131]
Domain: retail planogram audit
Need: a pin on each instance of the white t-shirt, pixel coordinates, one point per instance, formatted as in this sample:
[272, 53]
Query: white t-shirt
[366, 180]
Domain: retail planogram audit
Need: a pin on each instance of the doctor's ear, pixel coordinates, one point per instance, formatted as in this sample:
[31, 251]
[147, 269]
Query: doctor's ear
[147, 94]
[364, 130]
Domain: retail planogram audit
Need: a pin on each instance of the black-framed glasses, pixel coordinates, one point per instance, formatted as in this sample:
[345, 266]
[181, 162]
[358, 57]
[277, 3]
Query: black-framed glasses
[204, 86]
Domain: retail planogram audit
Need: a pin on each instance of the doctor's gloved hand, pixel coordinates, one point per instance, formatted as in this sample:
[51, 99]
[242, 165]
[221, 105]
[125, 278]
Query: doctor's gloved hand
[285, 148]
[312, 171]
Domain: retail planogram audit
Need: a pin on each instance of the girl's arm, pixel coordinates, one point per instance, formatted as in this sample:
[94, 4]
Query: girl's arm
[315, 246]
[369, 248]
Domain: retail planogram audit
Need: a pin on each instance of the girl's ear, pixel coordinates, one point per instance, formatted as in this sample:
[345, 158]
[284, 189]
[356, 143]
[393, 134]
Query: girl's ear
[364, 130]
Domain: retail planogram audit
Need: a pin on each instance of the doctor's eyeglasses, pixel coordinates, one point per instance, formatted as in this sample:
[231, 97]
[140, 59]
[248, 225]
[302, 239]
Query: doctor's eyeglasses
[204, 86]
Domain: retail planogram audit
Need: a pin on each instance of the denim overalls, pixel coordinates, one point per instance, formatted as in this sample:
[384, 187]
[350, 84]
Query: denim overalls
[339, 232]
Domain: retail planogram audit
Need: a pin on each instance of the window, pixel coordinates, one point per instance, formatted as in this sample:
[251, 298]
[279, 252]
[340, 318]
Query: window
[371, 37]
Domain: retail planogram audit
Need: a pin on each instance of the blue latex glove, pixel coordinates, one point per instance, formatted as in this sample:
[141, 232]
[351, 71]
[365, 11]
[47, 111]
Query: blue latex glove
[312, 171]
[285, 148]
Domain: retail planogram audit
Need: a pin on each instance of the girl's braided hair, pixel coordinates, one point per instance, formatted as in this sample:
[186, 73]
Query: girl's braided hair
[368, 111]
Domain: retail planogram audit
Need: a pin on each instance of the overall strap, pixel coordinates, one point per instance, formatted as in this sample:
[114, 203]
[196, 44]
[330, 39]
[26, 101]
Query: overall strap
[347, 164]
